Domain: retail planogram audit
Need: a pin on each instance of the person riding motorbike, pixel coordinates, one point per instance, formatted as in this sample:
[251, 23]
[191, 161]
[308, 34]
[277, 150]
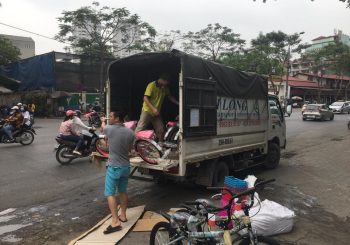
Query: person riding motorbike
[70, 129]
[79, 126]
[14, 121]
[26, 115]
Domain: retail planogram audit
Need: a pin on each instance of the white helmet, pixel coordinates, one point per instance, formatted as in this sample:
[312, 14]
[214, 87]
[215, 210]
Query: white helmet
[19, 104]
[15, 108]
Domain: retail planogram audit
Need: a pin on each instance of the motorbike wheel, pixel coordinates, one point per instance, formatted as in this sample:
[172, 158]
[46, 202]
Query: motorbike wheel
[2, 139]
[147, 151]
[26, 138]
[162, 233]
[61, 154]
[101, 147]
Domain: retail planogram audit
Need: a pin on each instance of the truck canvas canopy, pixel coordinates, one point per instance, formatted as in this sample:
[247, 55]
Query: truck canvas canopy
[203, 82]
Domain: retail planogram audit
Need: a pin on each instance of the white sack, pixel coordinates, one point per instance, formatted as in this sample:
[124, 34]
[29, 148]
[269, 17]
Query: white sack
[272, 218]
[251, 179]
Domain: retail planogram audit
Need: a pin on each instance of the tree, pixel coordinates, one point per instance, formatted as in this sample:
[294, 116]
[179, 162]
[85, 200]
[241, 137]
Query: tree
[348, 2]
[279, 47]
[103, 32]
[334, 58]
[168, 40]
[269, 54]
[212, 42]
[8, 52]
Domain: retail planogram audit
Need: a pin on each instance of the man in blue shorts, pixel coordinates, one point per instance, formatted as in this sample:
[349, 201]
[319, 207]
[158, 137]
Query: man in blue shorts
[120, 141]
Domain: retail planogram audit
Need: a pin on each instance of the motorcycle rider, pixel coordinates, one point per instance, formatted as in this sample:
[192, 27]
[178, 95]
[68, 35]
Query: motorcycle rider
[14, 121]
[70, 130]
[79, 126]
[26, 115]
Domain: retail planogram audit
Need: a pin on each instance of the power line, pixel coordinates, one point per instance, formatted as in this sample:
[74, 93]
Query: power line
[33, 33]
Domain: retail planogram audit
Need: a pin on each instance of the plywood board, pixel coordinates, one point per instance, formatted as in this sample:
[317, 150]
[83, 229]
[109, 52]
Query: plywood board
[95, 235]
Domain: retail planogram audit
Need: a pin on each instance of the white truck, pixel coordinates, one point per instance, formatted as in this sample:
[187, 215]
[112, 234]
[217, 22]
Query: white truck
[227, 120]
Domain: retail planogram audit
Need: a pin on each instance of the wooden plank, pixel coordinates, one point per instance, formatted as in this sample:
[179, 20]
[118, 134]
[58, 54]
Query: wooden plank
[95, 235]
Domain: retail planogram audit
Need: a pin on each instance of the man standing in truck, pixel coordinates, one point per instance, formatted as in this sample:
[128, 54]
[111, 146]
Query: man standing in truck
[152, 104]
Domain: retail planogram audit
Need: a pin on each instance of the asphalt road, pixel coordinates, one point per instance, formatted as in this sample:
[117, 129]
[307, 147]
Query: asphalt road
[42, 202]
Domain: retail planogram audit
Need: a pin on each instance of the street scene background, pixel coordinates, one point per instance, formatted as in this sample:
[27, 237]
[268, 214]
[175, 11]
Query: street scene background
[52, 204]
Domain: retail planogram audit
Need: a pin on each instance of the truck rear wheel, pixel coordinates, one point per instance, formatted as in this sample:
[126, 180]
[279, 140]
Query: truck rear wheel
[220, 171]
[273, 156]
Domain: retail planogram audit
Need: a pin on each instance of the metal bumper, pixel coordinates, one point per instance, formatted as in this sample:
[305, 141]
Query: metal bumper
[162, 164]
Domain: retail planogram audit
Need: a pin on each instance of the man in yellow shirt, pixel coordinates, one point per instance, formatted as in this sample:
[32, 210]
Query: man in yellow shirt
[152, 104]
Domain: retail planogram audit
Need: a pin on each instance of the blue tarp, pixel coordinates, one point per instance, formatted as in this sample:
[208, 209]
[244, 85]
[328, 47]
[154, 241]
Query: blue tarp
[35, 73]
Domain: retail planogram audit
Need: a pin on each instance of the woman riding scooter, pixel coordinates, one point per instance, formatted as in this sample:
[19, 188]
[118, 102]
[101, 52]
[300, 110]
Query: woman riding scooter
[70, 129]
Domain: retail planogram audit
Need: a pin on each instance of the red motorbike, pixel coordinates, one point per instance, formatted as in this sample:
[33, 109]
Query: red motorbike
[94, 118]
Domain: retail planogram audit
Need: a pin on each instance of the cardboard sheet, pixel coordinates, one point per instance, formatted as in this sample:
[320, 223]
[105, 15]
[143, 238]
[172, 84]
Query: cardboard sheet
[95, 235]
[149, 219]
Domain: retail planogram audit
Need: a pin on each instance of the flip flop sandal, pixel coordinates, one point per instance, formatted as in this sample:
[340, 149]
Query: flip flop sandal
[111, 229]
[123, 220]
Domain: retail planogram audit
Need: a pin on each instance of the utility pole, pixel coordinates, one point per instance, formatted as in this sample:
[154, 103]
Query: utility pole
[286, 95]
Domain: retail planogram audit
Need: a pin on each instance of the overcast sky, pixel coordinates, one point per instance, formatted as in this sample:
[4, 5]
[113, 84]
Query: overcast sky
[246, 17]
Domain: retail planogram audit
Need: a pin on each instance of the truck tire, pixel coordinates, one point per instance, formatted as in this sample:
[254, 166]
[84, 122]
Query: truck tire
[273, 156]
[220, 171]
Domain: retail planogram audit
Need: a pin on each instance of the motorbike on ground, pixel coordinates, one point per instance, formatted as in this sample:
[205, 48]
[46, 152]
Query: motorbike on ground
[24, 135]
[64, 149]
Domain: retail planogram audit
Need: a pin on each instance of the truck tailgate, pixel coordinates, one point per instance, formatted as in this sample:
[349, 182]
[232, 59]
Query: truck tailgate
[162, 164]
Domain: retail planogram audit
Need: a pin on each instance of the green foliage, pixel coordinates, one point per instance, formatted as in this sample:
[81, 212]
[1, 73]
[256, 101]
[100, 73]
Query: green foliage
[8, 52]
[212, 42]
[101, 27]
[269, 53]
[333, 57]
[167, 41]
[347, 1]
[279, 46]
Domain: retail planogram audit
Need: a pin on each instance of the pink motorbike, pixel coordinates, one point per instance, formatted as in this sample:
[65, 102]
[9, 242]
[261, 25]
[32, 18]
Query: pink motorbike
[149, 149]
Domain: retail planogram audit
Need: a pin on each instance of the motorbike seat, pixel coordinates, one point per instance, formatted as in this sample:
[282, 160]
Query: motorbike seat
[66, 142]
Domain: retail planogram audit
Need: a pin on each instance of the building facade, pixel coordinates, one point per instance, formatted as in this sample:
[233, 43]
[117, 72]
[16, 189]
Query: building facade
[26, 45]
[319, 88]
[322, 41]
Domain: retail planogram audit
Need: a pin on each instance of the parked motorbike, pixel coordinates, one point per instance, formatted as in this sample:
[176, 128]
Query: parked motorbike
[94, 118]
[64, 149]
[24, 135]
